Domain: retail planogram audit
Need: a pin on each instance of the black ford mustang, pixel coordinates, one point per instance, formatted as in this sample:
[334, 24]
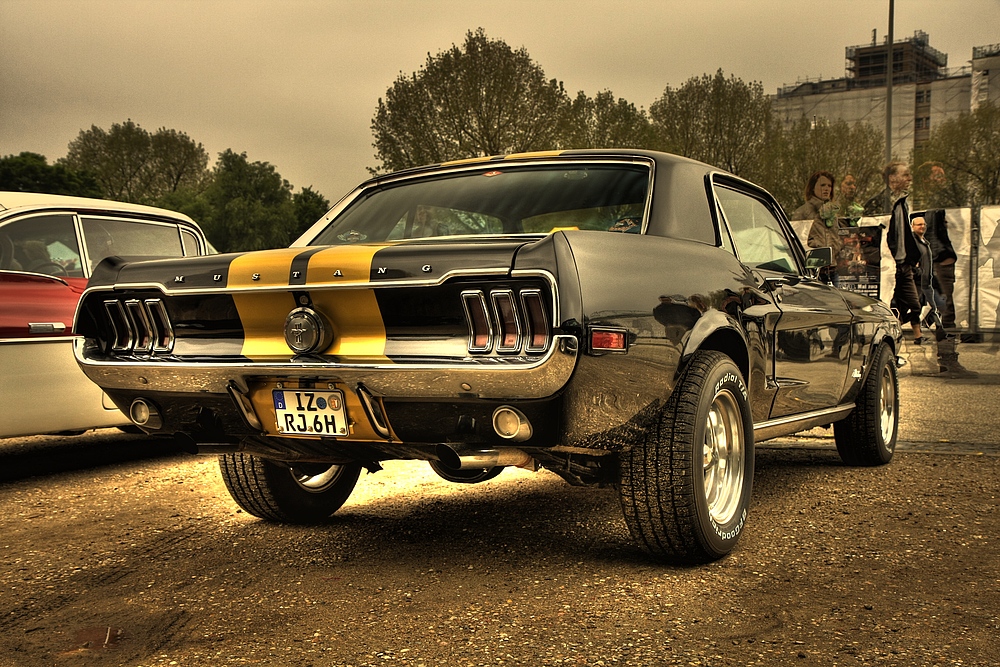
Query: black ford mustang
[618, 317]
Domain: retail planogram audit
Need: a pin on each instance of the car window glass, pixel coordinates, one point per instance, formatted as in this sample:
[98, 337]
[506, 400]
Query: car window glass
[757, 234]
[441, 221]
[498, 199]
[41, 244]
[129, 238]
[190, 243]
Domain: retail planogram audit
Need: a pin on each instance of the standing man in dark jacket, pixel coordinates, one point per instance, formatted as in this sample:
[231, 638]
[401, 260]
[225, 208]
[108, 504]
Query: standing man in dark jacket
[944, 256]
[938, 261]
[903, 246]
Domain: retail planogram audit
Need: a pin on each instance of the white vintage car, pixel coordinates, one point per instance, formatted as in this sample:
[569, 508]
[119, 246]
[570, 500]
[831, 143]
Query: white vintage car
[49, 246]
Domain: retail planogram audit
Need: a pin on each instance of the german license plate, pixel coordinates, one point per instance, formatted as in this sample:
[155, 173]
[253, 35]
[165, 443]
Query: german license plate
[307, 412]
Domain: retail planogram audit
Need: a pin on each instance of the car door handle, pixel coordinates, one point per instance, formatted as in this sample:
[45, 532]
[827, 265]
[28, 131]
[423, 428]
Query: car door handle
[46, 327]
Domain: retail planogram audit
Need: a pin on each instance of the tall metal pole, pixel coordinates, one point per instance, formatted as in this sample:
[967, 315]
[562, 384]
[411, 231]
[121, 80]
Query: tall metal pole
[888, 88]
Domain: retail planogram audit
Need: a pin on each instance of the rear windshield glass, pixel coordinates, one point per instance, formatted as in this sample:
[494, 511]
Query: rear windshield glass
[497, 200]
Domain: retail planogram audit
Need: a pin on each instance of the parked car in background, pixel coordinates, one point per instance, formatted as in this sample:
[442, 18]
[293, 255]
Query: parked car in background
[625, 318]
[49, 247]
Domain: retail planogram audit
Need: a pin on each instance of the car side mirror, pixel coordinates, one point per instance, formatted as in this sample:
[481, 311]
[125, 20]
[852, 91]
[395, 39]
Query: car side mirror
[819, 258]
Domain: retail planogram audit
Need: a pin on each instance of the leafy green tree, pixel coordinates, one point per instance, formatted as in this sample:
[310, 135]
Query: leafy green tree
[309, 206]
[249, 205]
[31, 172]
[132, 165]
[966, 149]
[717, 120]
[604, 122]
[482, 98]
[794, 154]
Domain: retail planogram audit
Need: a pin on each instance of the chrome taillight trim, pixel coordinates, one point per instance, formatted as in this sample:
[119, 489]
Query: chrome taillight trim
[142, 328]
[536, 338]
[139, 326]
[508, 321]
[163, 340]
[477, 316]
[120, 329]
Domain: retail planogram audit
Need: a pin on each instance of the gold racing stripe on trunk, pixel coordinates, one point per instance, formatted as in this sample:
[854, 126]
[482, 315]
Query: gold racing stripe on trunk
[358, 330]
[263, 268]
[342, 265]
[353, 313]
[263, 316]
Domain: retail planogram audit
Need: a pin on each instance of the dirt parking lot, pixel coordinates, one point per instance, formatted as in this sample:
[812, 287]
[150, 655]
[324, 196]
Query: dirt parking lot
[149, 562]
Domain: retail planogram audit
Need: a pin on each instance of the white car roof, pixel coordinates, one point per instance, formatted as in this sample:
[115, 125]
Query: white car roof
[24, 201]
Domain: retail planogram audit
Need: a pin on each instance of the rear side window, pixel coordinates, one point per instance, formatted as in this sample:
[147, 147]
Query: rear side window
[190, 242]
[758, 236]
[130, 238]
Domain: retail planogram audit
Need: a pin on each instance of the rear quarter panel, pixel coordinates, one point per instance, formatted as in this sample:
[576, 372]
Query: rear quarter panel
[617, 280]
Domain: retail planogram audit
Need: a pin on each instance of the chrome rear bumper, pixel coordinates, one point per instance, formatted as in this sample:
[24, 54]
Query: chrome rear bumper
[491, 378]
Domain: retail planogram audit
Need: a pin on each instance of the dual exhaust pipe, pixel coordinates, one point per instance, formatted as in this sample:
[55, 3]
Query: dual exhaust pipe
[508, 422]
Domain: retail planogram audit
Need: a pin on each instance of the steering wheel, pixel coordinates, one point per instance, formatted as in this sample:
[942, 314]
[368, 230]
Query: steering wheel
[50, 268]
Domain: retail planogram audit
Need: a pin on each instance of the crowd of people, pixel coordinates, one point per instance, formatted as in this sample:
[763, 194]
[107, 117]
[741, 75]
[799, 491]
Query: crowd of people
[918, 242]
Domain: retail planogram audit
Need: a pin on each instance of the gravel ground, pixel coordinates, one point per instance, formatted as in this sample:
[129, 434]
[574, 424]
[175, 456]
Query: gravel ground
[149, 562]
[152, 564]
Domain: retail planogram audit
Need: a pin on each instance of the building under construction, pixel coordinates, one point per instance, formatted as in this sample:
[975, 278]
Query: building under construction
[925, 91]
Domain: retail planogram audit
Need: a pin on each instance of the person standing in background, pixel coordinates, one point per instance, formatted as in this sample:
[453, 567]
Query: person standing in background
[819, 208]
[847, 208]
[903, 246]
[947, 342]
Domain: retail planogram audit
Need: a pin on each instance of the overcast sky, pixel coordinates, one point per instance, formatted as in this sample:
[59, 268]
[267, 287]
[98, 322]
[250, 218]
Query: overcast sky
[296, 83]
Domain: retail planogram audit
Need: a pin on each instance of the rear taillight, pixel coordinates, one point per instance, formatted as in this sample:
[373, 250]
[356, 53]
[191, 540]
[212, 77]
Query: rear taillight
[478, 317]
[506, 321]
[139, 326]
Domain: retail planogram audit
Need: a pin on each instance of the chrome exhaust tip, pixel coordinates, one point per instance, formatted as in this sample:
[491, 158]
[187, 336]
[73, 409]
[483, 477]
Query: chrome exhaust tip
[145, 415]
[479, 459]
[511, 424]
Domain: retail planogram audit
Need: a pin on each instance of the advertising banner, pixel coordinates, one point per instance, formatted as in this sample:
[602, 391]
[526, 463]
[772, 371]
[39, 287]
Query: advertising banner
[860, 260]
[988, 262]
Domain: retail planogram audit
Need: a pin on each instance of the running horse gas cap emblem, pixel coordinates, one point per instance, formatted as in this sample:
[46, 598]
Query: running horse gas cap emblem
[306, 332]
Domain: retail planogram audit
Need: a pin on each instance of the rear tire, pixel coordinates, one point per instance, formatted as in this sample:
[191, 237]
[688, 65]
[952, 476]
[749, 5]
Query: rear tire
[867, 436]
[685, 491]
[288, 493]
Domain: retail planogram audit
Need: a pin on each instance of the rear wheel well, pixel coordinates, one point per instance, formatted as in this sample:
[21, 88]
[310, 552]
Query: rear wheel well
[731, 344]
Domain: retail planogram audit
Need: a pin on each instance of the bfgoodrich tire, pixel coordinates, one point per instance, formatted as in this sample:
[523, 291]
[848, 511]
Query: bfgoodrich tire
[302, 493]
[685, 490]
[867, 436]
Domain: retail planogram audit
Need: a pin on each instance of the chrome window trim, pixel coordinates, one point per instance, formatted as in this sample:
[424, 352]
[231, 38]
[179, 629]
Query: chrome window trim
[484, 164]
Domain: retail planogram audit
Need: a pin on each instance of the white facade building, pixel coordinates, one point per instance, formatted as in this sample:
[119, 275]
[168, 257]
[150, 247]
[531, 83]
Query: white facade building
[925, 92]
